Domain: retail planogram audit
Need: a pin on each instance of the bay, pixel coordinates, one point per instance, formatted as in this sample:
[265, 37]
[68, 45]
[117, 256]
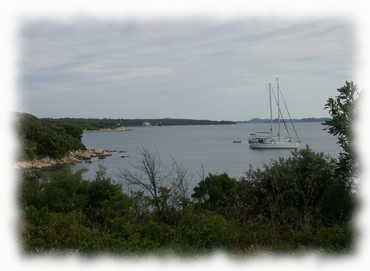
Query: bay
[207, 149]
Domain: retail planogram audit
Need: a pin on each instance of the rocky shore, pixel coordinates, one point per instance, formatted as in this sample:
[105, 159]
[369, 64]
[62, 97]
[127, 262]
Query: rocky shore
[71, 157]
[116, 129]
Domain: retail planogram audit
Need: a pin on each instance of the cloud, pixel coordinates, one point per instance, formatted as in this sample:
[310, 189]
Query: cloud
[184, 67]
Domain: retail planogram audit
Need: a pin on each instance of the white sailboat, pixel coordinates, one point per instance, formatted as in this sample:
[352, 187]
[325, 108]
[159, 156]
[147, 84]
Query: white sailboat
[267, 140]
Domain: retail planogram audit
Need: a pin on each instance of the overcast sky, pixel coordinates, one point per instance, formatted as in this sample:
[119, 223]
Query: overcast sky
[181, 69]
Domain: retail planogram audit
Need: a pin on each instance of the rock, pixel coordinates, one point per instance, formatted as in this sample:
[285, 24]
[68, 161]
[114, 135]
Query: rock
[71, 157]
[98, 150]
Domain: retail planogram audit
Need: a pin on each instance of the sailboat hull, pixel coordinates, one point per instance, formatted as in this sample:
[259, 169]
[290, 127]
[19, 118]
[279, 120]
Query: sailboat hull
[274, 145]
[263, 141]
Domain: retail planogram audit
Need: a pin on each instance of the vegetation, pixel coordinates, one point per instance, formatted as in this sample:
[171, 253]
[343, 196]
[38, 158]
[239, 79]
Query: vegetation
[40, 139]
[96, 124]
[341, 108]
[300, 202]
[293, 203]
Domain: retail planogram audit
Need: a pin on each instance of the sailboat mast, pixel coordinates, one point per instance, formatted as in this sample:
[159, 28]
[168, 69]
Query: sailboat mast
[270, 108]
[278, 105]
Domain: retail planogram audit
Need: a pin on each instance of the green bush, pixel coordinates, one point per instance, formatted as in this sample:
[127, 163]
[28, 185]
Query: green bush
[217, 193]
[204, 230]
[39, 138]
[302, 190]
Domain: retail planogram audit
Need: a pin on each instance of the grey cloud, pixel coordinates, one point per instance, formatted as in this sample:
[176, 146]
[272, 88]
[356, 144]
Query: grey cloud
[181, 68]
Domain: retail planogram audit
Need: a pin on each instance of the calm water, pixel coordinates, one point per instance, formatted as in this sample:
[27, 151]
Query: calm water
[194, 146]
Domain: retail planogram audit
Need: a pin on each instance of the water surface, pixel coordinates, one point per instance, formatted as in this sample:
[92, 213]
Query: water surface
[195, 147]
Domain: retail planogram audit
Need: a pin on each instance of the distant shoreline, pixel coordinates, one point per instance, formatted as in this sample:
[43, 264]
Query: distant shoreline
[301, 120]
[89, 124]
[121, 125]
[106, 124]
[117, 129]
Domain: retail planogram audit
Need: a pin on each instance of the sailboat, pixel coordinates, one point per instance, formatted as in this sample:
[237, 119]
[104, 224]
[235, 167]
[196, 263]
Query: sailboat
[267, 140]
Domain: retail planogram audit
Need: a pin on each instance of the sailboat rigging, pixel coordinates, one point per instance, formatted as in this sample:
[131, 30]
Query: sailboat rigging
[263, 140]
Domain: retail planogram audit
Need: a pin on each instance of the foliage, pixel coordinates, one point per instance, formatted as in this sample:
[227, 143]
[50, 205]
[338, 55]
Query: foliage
[200, 230]
[40, 139]
[293, 188]
[85, 124]
[296, 193]
[217, 193]
[341, 109]
[269, 209]
[92, 208]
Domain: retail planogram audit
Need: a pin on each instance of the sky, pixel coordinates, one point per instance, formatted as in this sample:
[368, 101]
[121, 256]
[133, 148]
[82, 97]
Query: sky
[201, 69]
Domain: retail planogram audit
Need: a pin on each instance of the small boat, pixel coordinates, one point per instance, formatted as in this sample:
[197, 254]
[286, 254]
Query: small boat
[237, 141]
[267, 140]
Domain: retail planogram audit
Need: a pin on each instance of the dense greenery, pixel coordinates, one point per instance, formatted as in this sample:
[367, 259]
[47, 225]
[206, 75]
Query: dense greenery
[341, 108]
[95, 124]
[86, 124]
[39, 138]
[292, 203]
[305, 201]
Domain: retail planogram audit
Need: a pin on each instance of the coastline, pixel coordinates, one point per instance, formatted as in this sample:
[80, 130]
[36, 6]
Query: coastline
[70, 158]
[117, 129]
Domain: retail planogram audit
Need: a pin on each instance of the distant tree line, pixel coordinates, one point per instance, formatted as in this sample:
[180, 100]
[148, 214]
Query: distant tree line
[96, 124]
[39, 138]
[305, 201]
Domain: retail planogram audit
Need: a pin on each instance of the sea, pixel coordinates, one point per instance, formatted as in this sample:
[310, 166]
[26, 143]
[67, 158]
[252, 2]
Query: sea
[199, 150]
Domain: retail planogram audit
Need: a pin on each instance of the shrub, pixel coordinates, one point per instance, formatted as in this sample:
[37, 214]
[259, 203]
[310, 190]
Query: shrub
[204, 230]
[40, 138]
[217, 193]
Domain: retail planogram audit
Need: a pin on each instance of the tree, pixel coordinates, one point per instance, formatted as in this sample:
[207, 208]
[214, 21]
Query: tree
[40, 138]
[147, 176]
[166, 189]
[180, 185]
[217, 193]
[341, 109]
[295, 192]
